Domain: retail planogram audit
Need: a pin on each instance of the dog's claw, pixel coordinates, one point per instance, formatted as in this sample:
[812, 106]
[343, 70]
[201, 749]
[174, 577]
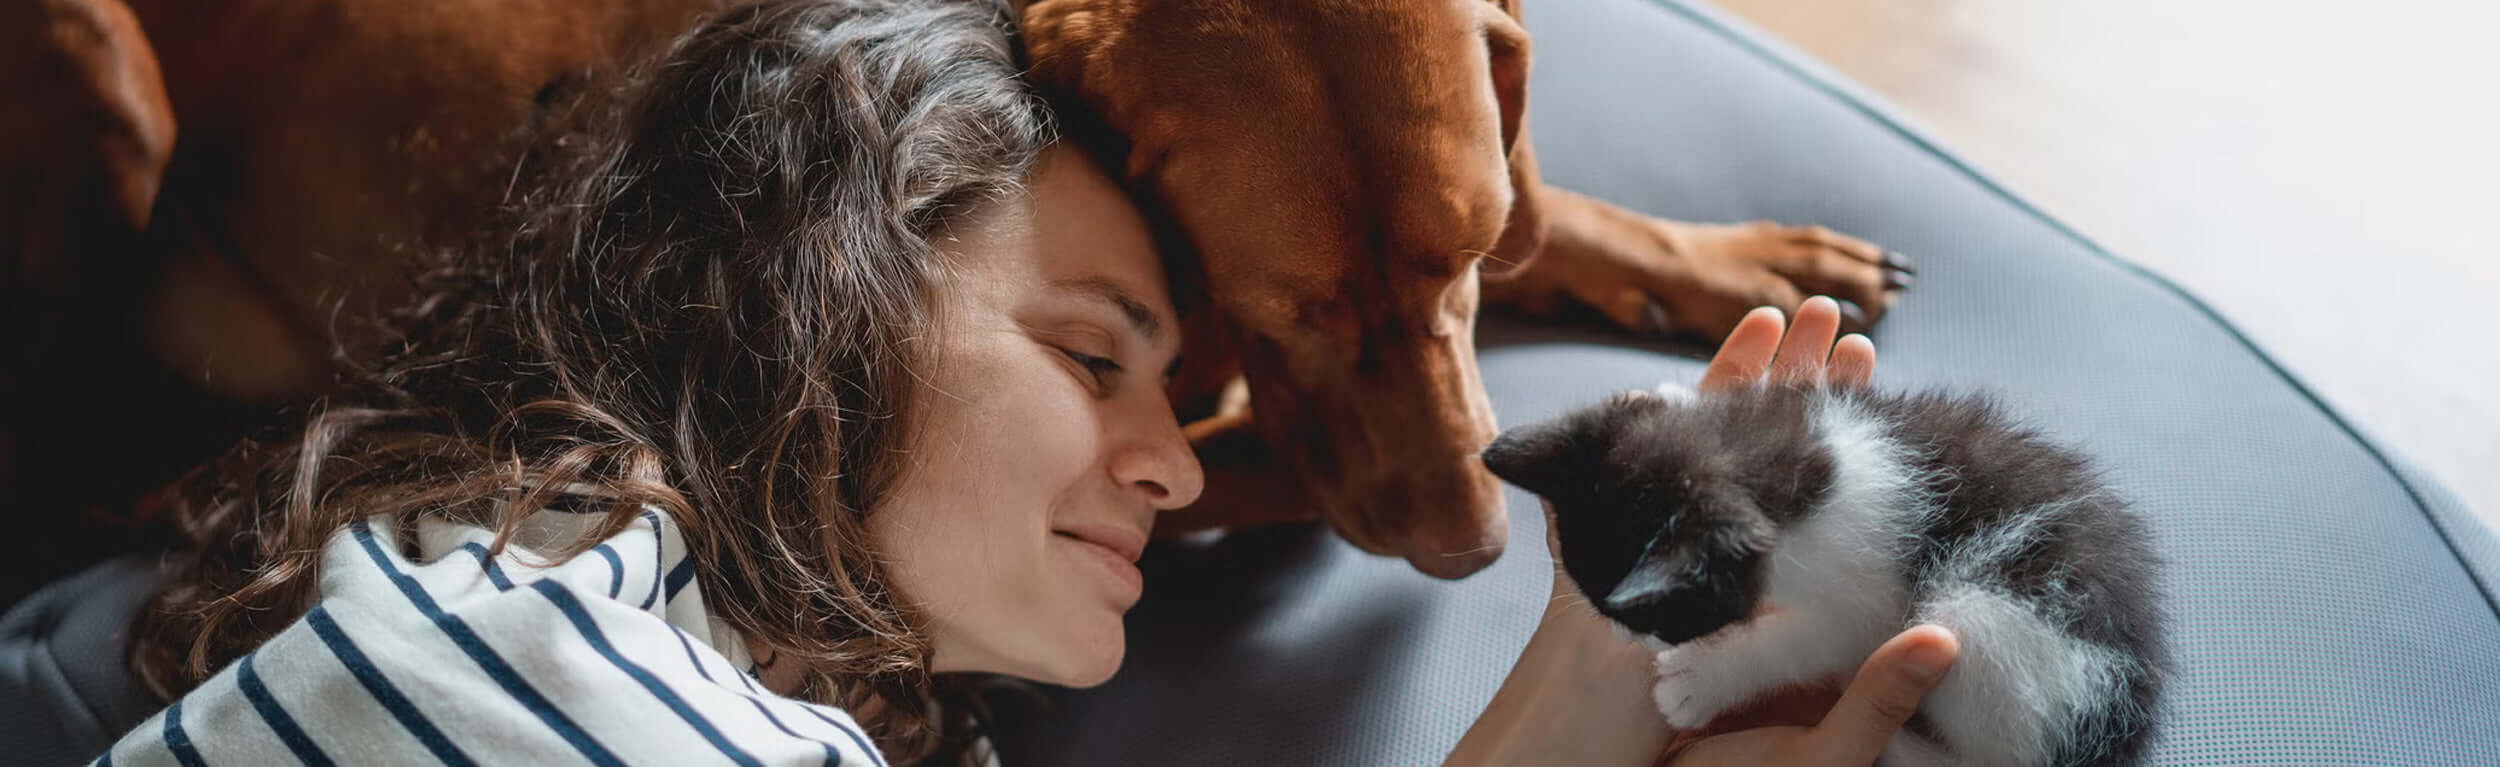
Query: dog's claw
[1654, 319]
[1899, 263]
[1852, 316]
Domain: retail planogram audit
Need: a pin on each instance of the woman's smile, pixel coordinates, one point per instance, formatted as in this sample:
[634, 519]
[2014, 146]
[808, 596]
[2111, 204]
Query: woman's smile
[1116, 551]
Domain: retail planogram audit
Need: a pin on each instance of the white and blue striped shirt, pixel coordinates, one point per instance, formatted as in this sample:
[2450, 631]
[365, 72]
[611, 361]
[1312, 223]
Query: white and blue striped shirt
[457, 658]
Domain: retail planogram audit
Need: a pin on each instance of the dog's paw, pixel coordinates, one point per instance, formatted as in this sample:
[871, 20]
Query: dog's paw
[1658, 277]
[1734, 268]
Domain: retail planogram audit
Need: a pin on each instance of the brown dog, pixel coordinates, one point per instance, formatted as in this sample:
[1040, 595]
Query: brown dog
[1344, 169]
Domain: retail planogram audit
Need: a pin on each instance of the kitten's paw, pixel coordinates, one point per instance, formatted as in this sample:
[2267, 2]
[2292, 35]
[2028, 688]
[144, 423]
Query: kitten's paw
[1684, 697]
[1682, 704]
[1677, 661]
[1674, 392]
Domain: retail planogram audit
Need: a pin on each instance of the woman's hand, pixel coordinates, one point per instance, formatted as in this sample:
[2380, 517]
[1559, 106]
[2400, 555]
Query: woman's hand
[1578, 695]
[1854, 731]
[1763, 347]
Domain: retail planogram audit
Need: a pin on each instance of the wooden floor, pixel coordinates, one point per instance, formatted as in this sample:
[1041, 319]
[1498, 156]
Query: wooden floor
[2326, 174]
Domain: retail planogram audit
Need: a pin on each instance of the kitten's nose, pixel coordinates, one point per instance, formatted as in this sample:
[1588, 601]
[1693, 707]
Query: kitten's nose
[1652, 601]
[1652, 579]
[1630, 594]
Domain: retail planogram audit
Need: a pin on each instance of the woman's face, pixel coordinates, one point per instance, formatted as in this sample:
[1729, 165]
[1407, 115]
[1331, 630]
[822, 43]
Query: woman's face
[1045, 445]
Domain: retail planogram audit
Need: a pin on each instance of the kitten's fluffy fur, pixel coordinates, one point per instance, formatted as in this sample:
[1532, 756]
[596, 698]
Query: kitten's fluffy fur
[1774, 536]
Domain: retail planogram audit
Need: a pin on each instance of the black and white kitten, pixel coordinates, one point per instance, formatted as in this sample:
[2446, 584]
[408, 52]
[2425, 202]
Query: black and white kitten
[1773, 536]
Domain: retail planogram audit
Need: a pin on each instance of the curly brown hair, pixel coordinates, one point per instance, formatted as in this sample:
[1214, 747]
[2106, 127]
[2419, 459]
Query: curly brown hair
[711, 303]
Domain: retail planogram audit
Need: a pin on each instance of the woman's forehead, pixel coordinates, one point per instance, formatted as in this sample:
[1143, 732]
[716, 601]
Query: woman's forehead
[1087, 232]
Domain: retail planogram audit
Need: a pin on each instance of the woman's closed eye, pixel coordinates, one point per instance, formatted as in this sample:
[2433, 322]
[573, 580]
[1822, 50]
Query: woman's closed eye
[1105, 372]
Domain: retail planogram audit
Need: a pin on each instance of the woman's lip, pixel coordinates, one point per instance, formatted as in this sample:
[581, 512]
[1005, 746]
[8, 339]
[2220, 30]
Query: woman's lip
[1126, 543]
[1120, 564]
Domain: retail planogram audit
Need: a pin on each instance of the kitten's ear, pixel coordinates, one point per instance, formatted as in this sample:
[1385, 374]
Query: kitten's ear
[1540, 458]
[1564, 452]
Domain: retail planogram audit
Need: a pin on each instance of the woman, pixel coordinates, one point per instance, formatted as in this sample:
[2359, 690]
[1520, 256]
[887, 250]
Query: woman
[813, 381]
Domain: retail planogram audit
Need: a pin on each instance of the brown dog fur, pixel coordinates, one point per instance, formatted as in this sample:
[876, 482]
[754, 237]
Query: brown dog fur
[1342, 169]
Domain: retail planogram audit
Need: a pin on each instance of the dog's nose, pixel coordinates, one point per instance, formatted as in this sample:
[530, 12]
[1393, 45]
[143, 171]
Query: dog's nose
[1457, 564]
[1456, 551]
[1446, 520]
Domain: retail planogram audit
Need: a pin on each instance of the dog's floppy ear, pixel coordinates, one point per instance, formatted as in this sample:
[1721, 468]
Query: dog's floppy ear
[1506, 44]
[1064, 41]
[1506, 49]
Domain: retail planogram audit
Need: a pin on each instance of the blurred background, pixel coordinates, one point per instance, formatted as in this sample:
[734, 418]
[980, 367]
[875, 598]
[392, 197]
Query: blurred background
[2327, 175]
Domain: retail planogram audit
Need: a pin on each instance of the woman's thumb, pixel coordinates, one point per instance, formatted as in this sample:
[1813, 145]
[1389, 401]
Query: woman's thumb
[1885, 693]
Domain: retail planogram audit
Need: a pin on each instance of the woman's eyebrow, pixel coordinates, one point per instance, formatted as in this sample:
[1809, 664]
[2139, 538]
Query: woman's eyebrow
[1145, 320]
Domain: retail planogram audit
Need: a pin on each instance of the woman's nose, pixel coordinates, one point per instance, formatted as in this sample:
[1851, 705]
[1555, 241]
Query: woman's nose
[1159, 463]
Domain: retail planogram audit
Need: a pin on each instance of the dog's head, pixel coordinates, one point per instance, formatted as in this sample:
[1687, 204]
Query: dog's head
[1344, 171]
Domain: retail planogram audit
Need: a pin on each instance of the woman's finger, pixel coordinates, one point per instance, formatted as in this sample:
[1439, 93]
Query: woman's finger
[1747, 352]
[1884, 695]
[1809, 343]
[1853, 361]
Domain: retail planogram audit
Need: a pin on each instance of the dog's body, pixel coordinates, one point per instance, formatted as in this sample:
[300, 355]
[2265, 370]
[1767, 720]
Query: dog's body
[1343, 169]
[221, 225]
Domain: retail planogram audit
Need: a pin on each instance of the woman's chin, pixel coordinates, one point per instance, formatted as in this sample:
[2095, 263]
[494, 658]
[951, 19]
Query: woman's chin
[1091, 679]
[1063, 655]
[1086, 658]
[1094, 662]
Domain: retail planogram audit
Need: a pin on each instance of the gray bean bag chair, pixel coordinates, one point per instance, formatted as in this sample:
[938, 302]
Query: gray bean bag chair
[2331, 605]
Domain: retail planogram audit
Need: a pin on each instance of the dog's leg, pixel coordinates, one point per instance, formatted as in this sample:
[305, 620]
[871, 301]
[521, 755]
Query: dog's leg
[81, 157]
[91, 138]
[84, 145]
[1655, 276]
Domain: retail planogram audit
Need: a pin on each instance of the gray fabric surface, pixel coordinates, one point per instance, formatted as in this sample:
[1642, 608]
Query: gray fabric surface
[64, 692]
[2328, 608]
